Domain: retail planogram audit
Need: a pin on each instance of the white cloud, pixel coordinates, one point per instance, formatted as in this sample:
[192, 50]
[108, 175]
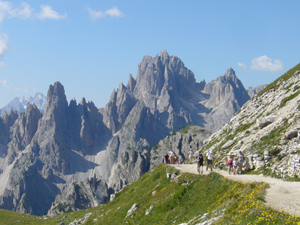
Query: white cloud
[113, 12]
[25, 89]
[7, 11]
[25, 12]
[48, 13]
[3, 44]
[3, 83]
[243, 66]
[264, 63]
[3, 47]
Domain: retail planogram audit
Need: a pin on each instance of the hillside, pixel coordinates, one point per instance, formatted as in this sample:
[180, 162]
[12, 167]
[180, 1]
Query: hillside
[165, 196]
[266, 130]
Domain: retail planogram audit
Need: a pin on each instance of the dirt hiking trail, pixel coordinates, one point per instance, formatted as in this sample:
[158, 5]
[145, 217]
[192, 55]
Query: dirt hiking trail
[282, 195]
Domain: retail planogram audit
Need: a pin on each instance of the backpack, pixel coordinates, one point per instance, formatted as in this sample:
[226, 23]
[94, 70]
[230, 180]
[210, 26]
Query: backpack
[229, 162]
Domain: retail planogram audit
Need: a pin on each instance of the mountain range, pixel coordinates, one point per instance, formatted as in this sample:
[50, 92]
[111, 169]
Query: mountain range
[19, 104]
[73, 146]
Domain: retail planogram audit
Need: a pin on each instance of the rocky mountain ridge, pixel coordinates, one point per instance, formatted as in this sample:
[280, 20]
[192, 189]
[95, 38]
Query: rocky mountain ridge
[73, 142]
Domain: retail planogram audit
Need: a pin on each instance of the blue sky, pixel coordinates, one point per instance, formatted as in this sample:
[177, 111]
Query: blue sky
[93, 46]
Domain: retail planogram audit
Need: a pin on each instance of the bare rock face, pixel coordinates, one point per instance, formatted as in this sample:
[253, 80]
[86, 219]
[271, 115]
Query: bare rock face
[132, 165]
[26, 191]
[5, 124]
[119, 106]
[80, 195]
[6, 121]
[227, 95]
[22, 131]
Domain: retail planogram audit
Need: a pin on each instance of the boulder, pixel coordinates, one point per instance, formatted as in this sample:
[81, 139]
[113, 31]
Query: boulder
[259, 158]
[265, 121]
[259, 165]
[112, 197]
[291, 134]
[267, 157]
[227, 144]
[266, 152]
[132, 209]
[249, 162]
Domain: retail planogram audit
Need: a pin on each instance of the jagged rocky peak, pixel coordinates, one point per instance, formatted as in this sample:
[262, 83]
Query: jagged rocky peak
[233, 80]
[82, 102]
[9, 119]
[230, 73]
[229, 76]
[201, 85]
[160, 74]
[22, 131]
[32, 116]
[56, 98]
[73, 103]
[164, 56]
[131, 83]
[121, 87]
[227, 85]
[112, 96]
[119, 106]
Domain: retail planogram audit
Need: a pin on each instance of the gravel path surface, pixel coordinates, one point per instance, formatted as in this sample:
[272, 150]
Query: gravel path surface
[282, 195]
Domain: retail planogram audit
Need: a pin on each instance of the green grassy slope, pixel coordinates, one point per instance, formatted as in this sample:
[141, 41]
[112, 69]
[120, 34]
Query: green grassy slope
[188, 197]
[275, 84]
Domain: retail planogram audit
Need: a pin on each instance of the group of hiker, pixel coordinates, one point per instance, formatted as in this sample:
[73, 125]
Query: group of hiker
[199, 159]
[234, 164]
[171, 158]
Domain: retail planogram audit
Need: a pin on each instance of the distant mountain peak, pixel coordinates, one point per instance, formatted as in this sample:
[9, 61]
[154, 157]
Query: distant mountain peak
[230, 72]
[19, 103]
[164, 56]
[164, 53]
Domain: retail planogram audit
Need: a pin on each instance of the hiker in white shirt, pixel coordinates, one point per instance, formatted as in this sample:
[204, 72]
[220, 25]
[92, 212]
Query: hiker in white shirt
[210, 158]
[171, 156]
[191, 154]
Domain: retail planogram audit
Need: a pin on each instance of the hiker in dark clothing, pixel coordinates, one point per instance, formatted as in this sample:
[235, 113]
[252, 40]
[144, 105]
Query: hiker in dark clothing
[199, 159]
